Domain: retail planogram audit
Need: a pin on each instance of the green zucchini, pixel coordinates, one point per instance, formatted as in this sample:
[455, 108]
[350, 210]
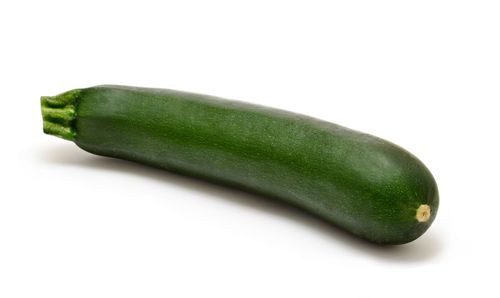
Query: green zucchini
[361, 183]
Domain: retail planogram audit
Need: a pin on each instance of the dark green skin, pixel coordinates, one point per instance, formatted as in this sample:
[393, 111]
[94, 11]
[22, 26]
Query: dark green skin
[366, 185]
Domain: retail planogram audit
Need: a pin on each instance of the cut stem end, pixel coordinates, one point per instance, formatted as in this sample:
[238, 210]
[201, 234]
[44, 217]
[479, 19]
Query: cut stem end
[59, 113]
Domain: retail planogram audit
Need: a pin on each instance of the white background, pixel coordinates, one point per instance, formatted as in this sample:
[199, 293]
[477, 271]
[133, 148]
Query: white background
[423, 74]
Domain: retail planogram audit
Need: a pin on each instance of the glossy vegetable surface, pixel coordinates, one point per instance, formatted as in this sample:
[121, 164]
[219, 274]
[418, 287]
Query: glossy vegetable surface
[359, 182]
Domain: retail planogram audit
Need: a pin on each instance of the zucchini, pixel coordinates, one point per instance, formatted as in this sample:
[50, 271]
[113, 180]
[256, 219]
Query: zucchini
[361, 183]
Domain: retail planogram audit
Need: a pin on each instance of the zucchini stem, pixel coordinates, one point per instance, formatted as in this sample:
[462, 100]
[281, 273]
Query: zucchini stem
[59, 113]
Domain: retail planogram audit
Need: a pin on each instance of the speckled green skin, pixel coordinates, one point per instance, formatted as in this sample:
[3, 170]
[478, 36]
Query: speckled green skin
[359, 182]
